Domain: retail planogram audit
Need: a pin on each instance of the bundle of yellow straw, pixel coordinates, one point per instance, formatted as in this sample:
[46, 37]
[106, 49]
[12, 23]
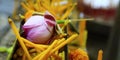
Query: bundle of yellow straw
[32, 51]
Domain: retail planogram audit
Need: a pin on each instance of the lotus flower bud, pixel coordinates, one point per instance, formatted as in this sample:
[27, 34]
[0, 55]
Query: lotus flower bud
[39, 29]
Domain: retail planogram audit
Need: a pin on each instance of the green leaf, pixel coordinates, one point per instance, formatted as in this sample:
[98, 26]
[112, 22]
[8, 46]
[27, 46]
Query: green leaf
[3, 49]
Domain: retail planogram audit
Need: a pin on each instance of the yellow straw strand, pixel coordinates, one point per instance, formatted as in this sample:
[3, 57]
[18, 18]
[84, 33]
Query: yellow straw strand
[64, 43]
[85, 39]
[38, 50]
[65, 24]
[28, 14]
[47, 8]
[36, 7]
[24, 57]
[68, 12]
[63, 55]
[19, 39]
[24, 6]
[31, 4]
[100, 53]
[34, 45]
[57, 57]
[32, 50]
[44, 52]
[21, 16]
[36, 57]
[82, 27]
[48, 50]
[63, 8]
[60, 41]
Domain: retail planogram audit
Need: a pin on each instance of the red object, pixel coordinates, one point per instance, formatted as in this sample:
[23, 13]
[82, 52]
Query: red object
[100, 12]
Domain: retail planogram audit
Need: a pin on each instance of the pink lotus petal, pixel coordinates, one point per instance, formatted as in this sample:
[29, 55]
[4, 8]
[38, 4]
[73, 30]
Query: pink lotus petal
[49, 19]
[39, 29]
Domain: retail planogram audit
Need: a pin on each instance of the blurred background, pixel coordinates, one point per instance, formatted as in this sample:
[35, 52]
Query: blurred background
[6, 35]
[103, 32]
